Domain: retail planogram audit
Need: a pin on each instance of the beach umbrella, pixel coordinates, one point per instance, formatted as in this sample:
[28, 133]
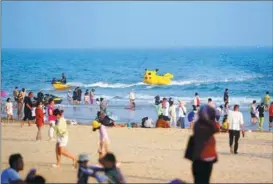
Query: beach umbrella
[3, 94]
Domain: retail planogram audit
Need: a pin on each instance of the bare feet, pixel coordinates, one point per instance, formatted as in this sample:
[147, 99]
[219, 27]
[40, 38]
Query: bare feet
[56, 165]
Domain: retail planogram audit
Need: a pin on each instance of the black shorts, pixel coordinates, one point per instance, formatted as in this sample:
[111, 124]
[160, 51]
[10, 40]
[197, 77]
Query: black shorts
[270, 119]
[252, 115]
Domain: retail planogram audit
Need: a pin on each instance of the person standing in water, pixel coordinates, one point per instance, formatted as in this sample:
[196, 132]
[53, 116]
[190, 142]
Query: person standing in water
[79, 95]
[261, 110]
[253, 112]
[236, 124]
[62, 139]
[266, 100]
[196, 101]
[131, 97]
[86, 97]
[51, 119]
[92, 96]
[226, 97]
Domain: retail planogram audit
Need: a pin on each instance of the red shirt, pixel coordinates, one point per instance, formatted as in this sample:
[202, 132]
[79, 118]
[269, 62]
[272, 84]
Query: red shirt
[270, 110]
[209, 151]
[39, 117]
[50, 117]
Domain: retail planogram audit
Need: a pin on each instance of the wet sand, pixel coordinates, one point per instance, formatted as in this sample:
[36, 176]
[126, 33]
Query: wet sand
[146, 155]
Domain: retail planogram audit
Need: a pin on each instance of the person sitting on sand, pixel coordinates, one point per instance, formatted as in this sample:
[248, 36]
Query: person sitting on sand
[161, 123]
[225, 125]
[104, 139]
[62, 138]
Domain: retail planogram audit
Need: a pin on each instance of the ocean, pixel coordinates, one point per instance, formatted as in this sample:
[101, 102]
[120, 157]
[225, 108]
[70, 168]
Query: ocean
[246, 72]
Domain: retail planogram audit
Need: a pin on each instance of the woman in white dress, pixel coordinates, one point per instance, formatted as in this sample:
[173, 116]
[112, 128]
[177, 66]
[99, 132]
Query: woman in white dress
[9, 109]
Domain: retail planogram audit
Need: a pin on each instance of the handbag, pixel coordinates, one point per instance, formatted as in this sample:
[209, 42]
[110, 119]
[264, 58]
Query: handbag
[189, 149]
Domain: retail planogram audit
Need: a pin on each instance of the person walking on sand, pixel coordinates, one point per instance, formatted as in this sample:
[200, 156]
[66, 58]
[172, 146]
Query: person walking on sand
[20, 104]
[92, 96]
[172, 112]
[62, 139]
[270, 113]
[51, 118]
[196, 101]
[236, 124]
[39, 120]
[266, 100]
[28, 109]
[204, 147]
[104, 139]
[182, 112]
[253, 111]
[261, 110]
[86, 97]
[226, 97]
[9, 110]
[15, 94]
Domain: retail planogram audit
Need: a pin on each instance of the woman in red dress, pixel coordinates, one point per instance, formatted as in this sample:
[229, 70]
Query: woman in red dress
[39, 120]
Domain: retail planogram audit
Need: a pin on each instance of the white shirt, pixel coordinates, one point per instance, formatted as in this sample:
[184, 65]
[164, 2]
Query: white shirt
[172, 111]
[180, 111]
[166, 110]
[9, 108]
[235, 119]
[9, 175]
[132, 95]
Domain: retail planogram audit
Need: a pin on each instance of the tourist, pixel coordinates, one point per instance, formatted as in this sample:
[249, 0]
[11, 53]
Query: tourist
[103, 106]
[62, 139]
[20, 104]
[75, 96]
[266, 100]
[261, 109]
[79, 95]
[204, 149]
[11, 174]
[131, 97]
[40, 96]
[192, 116]
[210, 102]
[15, 94]
[165, 107]
[161, 122]
[182, 112]
[172, 112]
[39, 120]
[28, 109]
[219, 112]
[9, 110]
[196, 101]
[226, 109]
[69, 97]
[253, 111]
[63, 79]
[270, 113]
[51, 119]
[236, 124]
[225, 125]
[226, 97]
[86, 97]
[92, 96]
[104, 139]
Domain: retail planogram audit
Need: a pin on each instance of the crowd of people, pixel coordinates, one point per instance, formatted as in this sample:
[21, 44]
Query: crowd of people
[204, 119]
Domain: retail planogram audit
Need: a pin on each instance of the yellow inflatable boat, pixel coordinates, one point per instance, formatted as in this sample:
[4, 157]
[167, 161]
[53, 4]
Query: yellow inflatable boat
[60, 86]
[151, 77]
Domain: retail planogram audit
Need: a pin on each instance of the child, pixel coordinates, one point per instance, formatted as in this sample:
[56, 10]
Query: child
[9, 109]
[86, 97]
[104, 140]
[225, 125]
[112, 173]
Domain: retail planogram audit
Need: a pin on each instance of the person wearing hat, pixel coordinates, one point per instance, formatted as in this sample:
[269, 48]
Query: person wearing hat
[104, 139]
[92, 96]
[62, 138]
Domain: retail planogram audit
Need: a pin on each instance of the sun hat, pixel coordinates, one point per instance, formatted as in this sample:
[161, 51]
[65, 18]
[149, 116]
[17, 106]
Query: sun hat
[83, 158]
[95, 124]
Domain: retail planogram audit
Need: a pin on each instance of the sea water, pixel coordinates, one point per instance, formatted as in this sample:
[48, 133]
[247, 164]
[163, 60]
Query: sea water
[246, 72]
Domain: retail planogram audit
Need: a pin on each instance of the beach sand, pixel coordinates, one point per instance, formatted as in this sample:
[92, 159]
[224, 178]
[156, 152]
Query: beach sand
[146, 155]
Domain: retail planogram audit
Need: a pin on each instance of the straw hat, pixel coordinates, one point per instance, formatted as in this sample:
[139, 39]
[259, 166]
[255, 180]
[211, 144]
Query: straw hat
[83, 158]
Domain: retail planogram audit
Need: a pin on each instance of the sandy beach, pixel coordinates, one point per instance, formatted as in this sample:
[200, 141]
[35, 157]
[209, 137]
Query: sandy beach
[146, 155]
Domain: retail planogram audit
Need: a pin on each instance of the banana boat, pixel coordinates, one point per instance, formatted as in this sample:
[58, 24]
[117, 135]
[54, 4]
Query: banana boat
[151, 77]
[60, 86]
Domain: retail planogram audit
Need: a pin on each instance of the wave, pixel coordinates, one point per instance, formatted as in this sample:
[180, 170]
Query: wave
[173, 83]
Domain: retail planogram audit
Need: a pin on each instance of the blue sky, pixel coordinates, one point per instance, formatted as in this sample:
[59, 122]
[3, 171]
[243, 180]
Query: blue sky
[135, 24]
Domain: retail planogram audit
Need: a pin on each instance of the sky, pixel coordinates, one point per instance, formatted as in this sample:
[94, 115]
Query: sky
[137, 24]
